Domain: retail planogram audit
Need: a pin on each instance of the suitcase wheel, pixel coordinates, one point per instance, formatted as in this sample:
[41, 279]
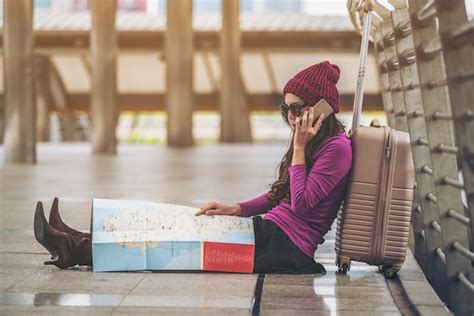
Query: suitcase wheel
[343, 264]
[389, 270]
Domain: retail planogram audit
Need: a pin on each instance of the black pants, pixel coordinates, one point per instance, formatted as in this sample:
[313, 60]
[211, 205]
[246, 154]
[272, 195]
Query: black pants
[276, 253]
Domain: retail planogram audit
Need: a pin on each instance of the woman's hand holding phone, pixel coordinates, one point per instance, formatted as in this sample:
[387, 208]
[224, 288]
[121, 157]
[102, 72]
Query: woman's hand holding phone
[305, 130]
[215, 208]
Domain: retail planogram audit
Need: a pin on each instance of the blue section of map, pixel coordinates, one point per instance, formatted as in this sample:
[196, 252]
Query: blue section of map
[113, 257]
[175, 255]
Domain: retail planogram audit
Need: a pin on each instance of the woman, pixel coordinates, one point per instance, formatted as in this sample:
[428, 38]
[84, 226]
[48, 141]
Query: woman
[301, 205]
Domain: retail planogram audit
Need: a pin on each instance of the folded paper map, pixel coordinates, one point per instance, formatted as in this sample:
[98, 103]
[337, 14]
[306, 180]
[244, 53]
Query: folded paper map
[138, 235]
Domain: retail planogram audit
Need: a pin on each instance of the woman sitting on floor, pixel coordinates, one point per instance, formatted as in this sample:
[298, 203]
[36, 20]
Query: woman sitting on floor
[298, 210]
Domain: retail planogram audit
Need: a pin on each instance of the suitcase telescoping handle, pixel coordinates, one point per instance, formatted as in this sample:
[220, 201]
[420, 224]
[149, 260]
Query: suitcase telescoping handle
[368, 6]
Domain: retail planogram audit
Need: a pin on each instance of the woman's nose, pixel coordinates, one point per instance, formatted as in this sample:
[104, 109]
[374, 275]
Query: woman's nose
[291, 116]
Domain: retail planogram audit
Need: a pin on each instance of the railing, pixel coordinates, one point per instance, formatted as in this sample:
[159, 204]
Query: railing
[426, 58]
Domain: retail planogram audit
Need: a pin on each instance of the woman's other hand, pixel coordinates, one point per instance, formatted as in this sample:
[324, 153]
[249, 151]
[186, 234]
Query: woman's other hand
[304, 130]
[215, 208]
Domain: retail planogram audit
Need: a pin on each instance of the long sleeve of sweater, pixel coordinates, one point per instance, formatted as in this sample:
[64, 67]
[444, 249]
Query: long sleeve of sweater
[307, 189]
[258, 205]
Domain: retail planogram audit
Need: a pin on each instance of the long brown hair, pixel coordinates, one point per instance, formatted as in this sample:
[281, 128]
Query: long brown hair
[280, 189]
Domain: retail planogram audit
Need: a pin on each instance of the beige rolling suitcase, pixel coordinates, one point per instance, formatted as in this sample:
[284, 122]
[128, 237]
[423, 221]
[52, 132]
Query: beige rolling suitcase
[373, 223]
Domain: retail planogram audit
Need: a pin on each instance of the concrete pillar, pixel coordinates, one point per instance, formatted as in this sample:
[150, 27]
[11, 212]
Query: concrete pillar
[179, 73]
[235, 122]
[43, 97]
[2, 120]
[104, 89]
[19, 87]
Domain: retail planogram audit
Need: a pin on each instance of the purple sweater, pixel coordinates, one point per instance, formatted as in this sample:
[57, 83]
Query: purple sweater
[315, 195]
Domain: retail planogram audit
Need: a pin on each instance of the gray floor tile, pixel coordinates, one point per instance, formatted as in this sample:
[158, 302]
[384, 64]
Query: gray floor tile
[207, 300]
[190, 284]
[79, 280]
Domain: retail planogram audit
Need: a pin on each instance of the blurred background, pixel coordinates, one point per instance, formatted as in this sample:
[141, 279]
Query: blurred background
[265, 65]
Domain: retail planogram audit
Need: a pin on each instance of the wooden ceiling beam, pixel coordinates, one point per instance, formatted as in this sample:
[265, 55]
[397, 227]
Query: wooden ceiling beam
[204, 102]
[154, 40]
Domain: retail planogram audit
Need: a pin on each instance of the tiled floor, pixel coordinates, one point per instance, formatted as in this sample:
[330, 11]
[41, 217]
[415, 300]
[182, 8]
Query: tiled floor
[226, 173]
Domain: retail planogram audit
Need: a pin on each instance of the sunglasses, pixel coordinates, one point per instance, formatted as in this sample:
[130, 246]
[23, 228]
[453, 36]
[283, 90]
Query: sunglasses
[294, 108]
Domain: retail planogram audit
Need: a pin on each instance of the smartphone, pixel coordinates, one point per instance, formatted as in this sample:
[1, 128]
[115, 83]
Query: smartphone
[321, 107]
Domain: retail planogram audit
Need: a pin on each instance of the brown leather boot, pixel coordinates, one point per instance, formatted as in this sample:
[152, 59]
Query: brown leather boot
[66, 250]
[56, 221]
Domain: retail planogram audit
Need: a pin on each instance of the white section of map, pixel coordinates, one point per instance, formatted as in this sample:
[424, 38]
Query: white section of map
[143, 226]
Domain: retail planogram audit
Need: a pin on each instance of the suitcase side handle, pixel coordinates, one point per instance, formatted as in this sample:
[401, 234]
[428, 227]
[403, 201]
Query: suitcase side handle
[375, 123]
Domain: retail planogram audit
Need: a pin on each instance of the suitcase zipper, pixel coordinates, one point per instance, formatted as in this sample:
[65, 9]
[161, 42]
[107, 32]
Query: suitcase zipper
[389, 147]
[380, 212]
[387, 193]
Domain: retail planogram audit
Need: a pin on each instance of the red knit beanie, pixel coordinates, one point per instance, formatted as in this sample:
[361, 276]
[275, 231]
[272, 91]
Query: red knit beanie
[316, 82]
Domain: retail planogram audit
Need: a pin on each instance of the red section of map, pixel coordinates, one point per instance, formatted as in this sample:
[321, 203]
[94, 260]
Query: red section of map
[228, 257]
